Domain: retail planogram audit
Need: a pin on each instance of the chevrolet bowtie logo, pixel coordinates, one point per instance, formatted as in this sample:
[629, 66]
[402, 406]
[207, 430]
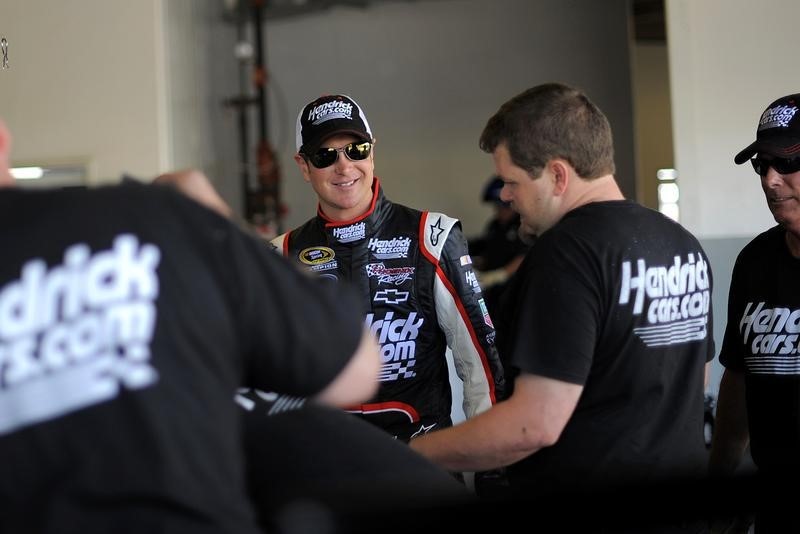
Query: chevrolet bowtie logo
[391, 296]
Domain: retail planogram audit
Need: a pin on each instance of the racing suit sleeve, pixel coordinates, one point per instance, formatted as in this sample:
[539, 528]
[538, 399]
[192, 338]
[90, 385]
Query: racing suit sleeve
[462, 313]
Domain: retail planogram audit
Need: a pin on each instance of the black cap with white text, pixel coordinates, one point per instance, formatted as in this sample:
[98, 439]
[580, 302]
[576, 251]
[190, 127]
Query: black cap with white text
[326, 116]
[778, 131]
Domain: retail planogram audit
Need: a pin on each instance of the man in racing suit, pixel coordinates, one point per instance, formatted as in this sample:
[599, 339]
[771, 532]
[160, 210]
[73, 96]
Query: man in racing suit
[419, 292]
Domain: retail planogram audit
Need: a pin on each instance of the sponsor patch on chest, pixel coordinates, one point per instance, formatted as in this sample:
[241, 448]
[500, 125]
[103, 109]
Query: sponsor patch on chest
[348, 234]
[389, 275]
[318, 258]
[385, 249]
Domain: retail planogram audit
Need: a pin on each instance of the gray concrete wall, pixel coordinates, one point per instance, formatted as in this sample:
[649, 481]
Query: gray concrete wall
[430, 73]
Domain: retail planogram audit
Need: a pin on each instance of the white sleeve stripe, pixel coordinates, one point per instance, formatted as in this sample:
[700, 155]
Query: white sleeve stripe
[468, 357]
[435, 229]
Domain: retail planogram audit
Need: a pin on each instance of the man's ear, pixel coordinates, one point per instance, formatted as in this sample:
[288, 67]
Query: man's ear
[5, 141]
[561, 175]
[5, 155]
[303, 164]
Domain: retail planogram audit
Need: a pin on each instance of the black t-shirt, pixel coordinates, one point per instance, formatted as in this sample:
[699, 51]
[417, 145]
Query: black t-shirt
[129, 315]
[762, 337]
[616, 298]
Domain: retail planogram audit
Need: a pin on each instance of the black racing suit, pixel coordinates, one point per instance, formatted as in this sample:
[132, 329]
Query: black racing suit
[420, 296]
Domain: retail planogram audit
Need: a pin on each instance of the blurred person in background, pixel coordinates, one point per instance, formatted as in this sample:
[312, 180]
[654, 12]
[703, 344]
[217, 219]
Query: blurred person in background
[498, 252]
[129, 316]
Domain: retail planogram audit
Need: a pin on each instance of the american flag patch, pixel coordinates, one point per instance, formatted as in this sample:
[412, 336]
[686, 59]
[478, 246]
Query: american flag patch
[486, 318]
[465, 260]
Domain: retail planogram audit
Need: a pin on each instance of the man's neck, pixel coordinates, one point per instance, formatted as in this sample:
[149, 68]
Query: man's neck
[600, 189]
[342, 216]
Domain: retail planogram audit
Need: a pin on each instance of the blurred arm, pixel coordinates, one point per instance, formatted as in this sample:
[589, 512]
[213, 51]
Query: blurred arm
[358, 381]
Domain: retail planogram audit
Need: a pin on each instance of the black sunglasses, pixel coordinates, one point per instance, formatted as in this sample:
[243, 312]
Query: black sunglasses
[783, 166]
[325, 157]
